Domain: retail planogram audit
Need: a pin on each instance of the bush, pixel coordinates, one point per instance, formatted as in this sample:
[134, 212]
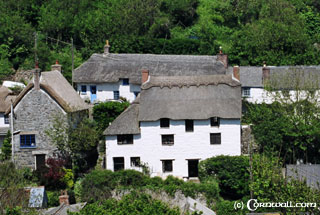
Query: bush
[53, 198]
[231, 171]
[130, 178]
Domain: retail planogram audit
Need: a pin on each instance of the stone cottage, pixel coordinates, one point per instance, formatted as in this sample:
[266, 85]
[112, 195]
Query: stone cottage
[35, 108]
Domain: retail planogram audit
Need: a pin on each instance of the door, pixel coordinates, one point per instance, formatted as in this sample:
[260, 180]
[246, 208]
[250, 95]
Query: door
[93, 90]
[193, 168]
[40, 161]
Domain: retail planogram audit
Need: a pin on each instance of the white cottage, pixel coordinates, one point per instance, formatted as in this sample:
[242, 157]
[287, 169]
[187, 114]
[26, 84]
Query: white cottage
[110, 76]
[176, 122]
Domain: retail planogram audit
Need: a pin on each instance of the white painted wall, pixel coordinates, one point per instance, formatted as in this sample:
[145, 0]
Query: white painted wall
[187, 145]
[259, 95]
[105, 90]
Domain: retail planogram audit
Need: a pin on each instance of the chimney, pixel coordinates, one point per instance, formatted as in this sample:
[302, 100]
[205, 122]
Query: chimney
[236, 72]
[64, 198]
[223, 58]
[36, 77]
[265, 73]
[145, 76]
[56, 66]
[106, 48]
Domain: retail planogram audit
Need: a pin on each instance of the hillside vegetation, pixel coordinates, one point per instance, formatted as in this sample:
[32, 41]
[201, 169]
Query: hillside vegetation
[280, 32]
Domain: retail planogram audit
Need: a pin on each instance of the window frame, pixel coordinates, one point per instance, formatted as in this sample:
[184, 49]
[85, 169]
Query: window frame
[30, 138]
[6, 119]
[125, 82]
[246, 92]
[83, 87]
[189, 125]
[114, 163]
[164, 170]
[165, 142]
[135, 161]
[116, 95]
[215, 121]
[164, 123]
[125, 139]
[215, 138]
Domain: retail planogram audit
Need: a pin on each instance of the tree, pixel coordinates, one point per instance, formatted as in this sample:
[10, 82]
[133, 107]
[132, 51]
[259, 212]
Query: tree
[6, 147]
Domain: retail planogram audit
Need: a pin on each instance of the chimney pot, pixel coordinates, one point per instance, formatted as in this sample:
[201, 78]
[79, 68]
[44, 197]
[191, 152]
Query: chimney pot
[145, 75]
[64, 198]
[56, 66]
[236, 72]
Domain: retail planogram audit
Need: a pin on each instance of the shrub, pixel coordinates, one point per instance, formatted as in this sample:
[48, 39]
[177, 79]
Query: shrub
[130, 178]
[231, 171]
[53, 198]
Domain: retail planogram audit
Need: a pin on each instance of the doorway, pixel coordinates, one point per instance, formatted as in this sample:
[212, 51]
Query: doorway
[193, 170]
[93, 90]
[40, 161]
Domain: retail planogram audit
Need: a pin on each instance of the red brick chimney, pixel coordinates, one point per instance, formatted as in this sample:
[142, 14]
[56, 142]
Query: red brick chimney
[64, 198]
[36, 77]
[56, 66]
[145, 76]
[223, 58]
[236, 72]
[265, 73]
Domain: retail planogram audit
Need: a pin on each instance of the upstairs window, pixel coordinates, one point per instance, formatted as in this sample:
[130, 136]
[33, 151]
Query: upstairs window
[116, 95]
[215, 121]
[215, 139]
[125, 81]
[167, 139]
[189, 125]
[135, 161]
[27, 141]
[167, 166]
[6, 119]
[164, 123]
[83, 89]
[125, 139]
[246, 92]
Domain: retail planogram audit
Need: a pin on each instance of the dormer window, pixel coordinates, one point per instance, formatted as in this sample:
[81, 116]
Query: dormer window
[215, 122]
[125, 81]
[164, 123]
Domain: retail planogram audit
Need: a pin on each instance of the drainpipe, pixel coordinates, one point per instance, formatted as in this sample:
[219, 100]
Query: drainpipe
[11, 122]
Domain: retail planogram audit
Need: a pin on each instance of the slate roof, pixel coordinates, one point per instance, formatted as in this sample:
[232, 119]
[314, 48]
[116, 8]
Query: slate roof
[101, 69]
[251, 76]
[180, 98]
[59, 88]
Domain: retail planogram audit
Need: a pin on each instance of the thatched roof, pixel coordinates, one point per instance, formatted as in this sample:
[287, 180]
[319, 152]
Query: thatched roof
[5, 98]
[111, 68]
[180, 98]
[59, 89]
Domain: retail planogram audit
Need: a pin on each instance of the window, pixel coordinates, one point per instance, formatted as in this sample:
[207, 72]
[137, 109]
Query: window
[116, 95]
[135, 161]
[167, 166]
[215, 121]
[167, 139]
[27, 141]
[215, 138]
[83, 89]
[164, 123]
[246, 92]
[6, 119]
[118, 163]
[125, 81]
[125, 139]
[136, 93]
[189, 125]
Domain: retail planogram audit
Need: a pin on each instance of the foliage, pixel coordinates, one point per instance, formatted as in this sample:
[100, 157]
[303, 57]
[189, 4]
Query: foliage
[104, 113]
[76, 138]
[6, 150]
[231, 171]
[53, 198]
[133, 203]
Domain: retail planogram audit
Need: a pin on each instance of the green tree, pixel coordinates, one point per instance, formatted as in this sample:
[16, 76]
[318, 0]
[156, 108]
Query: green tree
[6, 147]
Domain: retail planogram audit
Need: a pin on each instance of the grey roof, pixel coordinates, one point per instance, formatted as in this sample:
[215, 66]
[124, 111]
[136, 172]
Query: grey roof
[126, 123]
[179, 98]
[64, 209]
[111, 68]
[251, 76]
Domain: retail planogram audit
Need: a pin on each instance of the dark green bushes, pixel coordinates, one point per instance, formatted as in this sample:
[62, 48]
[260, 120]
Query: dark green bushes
[231, 172]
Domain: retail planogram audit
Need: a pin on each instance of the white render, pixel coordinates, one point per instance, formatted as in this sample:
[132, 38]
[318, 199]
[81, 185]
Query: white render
[258, 95]
[13, 84]
[187, 145]
[105, 91]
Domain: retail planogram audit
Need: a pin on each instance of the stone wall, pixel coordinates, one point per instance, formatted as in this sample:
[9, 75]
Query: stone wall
[246, 137]
[34, 115]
